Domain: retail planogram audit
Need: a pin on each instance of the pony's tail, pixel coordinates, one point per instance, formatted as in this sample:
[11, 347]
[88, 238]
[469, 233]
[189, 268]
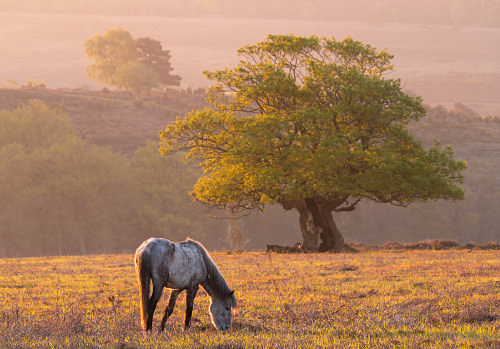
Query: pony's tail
[143, 272]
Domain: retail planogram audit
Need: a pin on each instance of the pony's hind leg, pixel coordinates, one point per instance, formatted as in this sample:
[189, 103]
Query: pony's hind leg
[191, 293]
[153, 301]
[170, 307]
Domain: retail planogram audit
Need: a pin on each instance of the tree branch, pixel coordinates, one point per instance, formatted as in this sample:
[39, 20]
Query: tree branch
[350, 207]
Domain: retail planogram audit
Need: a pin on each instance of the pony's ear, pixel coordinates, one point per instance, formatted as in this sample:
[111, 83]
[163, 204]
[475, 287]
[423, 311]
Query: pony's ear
[231, 293]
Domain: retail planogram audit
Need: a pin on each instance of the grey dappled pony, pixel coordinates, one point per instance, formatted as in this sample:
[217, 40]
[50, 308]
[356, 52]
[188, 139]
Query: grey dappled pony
[181, 266]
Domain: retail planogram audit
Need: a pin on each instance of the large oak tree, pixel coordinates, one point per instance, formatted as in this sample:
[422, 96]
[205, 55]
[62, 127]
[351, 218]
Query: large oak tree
[314, 125]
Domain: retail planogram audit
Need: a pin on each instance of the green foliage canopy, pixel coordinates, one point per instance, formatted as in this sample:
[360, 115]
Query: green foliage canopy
[136, 77]
[135, 64]
[152, 55]
[308, 118]
[61, 194]
[165, 183]
[115, 48]
[34, 125]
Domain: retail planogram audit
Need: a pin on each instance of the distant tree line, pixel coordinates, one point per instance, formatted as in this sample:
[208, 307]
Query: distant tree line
[62, 194]
[463, 12]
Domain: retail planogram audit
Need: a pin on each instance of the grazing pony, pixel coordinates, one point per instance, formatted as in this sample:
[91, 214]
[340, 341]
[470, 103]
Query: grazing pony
[181, 266]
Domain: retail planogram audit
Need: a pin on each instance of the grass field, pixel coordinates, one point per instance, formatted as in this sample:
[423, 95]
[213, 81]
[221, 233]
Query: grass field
[377, 299]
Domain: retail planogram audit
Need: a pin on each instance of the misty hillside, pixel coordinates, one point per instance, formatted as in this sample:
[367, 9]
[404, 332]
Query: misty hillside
[114, 118]
[111, 118]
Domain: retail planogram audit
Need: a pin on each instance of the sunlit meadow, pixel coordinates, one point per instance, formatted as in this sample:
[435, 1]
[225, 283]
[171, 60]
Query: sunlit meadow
[375, 299]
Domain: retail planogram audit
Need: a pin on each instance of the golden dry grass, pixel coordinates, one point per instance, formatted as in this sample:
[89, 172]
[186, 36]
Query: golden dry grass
[377, 299]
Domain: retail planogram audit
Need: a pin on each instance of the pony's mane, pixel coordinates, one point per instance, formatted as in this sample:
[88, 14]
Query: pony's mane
[215, 280]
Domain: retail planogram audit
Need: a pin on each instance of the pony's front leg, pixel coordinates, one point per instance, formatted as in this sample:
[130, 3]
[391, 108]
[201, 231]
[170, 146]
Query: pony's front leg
[170, 307]
[191, 293]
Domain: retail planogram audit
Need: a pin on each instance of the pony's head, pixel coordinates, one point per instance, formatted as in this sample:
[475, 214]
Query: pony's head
[220, 310]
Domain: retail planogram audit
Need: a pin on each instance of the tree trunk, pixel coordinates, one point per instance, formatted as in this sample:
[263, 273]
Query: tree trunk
[83, 246]
[311, 232]
[319, 231]
[59, 240]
